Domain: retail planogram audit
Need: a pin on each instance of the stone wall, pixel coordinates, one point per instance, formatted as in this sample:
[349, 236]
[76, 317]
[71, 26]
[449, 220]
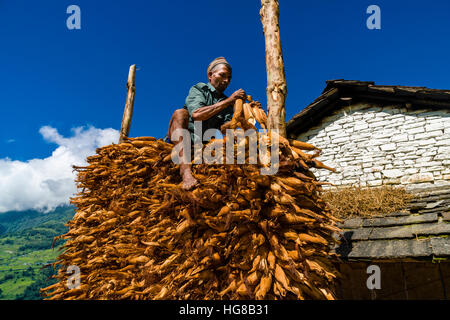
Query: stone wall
[370, 145]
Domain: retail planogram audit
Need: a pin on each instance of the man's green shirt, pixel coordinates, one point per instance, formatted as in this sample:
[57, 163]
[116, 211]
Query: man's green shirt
[201, 95]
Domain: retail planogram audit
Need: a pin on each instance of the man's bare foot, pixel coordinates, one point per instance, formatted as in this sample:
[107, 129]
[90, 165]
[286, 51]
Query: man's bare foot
[189, 181]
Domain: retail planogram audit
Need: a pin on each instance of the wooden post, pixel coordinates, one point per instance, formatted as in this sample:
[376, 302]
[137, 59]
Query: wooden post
[128, 112]
[276, 81]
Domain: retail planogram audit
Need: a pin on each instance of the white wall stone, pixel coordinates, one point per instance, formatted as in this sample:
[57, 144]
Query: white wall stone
[373, 145]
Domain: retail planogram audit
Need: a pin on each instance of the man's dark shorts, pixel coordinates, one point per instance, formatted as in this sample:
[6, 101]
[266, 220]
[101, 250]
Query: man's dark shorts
[167, 139]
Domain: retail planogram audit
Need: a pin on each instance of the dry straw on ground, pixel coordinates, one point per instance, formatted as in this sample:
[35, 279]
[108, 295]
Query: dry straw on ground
[137, 234]
[346, 202]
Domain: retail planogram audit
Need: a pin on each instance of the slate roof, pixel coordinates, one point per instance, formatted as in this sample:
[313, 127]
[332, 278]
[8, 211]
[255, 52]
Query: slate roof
[340, 93]
[422, 231]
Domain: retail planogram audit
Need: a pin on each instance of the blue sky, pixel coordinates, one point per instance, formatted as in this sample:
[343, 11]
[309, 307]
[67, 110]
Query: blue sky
[62, 79]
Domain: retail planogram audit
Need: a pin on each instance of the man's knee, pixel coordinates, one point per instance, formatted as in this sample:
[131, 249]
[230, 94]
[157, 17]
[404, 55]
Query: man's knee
[181, 114]
[179, 120]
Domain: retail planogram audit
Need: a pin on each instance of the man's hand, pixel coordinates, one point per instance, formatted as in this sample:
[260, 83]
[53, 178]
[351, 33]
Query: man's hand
[206, 112]
[238, 94]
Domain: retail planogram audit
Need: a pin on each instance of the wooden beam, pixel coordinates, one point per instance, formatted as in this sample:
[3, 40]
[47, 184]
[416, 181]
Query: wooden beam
[276, 80]
[128, 112]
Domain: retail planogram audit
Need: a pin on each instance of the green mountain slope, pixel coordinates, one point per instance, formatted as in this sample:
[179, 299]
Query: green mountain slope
[25, 247]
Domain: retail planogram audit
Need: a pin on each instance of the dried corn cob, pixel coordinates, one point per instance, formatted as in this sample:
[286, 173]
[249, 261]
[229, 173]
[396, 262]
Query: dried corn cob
[137, 234]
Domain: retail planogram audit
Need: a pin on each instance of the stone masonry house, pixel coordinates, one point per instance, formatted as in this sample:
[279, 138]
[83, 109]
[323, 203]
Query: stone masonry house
[377, 135]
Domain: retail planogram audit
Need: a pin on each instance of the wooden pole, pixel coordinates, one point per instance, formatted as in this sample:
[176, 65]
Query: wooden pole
[128, 112]
[276, 80]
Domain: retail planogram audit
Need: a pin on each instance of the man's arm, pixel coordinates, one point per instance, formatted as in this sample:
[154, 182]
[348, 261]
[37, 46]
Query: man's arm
[206, 112]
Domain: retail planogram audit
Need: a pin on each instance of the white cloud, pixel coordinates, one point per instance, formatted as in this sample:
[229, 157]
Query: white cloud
[44, 184]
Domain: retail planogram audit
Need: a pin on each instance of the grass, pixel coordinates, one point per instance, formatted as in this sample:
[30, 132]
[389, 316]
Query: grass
[25, 246]
[8, 250]
[12, 257]
[13, 287]
[21, 269]
[347, 202]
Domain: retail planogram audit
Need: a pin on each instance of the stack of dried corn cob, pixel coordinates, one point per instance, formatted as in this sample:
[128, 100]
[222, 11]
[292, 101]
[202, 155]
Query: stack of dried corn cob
[137, 234]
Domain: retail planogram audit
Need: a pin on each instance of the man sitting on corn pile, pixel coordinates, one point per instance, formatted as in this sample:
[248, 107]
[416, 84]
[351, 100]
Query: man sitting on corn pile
[206, 103]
